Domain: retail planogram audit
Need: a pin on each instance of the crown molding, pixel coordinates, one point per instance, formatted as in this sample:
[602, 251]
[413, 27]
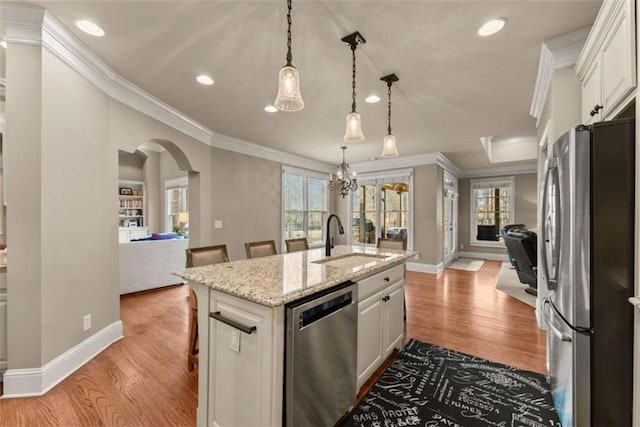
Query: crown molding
[505, 170]
[555, 53]
[23, 23]
[36, 26]
[408, 162]
[231, 143]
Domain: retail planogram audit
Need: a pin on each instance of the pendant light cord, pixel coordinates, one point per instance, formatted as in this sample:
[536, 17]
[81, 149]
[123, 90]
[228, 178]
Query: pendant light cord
[289, 55]
[353, 77]
[389, 116]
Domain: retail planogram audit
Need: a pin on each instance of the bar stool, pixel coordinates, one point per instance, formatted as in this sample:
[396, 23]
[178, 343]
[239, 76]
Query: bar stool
[197, 257]
[260, 249]
[297, 245]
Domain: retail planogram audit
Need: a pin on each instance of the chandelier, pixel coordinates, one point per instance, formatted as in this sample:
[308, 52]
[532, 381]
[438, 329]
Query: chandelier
[343, 183]
[289, 97]
[353, 132]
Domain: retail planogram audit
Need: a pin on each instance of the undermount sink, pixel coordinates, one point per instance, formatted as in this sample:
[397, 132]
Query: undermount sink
[350, 261]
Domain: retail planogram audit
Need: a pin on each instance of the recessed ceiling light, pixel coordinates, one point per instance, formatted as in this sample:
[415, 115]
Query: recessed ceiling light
[270, 109]
[89, 27]
[372, 99]
[204, 79]
[491, 27]
[3, 44]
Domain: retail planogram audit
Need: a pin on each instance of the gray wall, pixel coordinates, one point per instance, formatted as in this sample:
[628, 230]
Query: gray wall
[247, 199]
[61, 220]
[427, 208]
[130, 166]
[525, 210]
[154, 194]
[22, 171]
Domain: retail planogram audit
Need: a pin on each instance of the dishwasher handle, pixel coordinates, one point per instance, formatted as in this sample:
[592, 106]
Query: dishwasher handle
[246, 329]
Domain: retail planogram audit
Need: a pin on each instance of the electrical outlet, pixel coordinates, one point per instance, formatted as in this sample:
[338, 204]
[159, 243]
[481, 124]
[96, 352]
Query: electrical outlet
[461, 246]
[86, 322]
[217, 223]
[234, 343]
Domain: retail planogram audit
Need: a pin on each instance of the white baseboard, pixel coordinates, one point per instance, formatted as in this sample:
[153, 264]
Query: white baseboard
[38, 381]
[425, 268]
[484, 255]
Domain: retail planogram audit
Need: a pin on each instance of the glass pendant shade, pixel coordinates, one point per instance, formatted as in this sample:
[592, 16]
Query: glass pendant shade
[354, 128]
[389, 148]
[289, 97]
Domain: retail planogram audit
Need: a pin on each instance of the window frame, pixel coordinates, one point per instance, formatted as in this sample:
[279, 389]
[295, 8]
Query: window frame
[306, 175]
[476, 184]
[379, 177]
[171, 184]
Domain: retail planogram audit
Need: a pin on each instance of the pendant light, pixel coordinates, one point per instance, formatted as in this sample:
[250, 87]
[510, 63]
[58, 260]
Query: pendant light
[289, 97]
[389, 148]
[353, 132]
[343, 183]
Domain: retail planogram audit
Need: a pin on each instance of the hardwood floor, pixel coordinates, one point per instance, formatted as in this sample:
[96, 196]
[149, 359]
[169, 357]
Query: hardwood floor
[142, 380]
[463, 311]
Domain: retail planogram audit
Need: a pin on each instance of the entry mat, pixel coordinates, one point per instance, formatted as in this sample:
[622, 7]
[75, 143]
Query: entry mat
[427, 385]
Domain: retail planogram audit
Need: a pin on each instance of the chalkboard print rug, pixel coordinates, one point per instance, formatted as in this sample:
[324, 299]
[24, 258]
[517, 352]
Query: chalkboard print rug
[431, 386]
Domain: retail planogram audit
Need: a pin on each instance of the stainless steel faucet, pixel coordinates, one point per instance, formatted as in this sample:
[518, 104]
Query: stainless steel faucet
[329, 243]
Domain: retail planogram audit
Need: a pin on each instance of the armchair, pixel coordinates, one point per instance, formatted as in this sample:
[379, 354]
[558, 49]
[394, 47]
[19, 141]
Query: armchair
[522, 248]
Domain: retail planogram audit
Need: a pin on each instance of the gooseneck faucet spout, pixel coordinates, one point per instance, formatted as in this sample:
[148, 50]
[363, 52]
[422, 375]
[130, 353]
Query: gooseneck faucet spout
[329, 243]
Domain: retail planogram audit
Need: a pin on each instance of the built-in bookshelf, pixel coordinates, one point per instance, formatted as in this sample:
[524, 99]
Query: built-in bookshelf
[131, 210]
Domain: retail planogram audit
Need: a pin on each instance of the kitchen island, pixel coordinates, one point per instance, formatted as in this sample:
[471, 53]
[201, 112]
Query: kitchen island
[241, 318]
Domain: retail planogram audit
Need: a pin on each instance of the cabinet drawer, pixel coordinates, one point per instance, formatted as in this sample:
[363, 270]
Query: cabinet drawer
[372, 284]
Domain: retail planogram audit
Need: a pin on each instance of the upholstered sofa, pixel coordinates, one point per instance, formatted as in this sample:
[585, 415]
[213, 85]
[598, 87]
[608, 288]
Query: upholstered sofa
[148, 264]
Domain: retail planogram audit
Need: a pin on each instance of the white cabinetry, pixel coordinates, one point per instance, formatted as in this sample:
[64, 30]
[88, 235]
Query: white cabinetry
[127, 234]
[241, 372]
[380, 319]
[245, 369]
[607, 65]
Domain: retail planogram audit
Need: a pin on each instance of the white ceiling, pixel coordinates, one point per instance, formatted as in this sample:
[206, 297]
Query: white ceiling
[454, 85]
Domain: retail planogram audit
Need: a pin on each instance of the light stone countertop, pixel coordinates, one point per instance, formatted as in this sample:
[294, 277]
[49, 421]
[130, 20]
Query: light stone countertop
[279, 279]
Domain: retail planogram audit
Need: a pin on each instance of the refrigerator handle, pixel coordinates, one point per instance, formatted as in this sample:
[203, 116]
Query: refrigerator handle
[635, 301]
[551, 283]
[547, 318]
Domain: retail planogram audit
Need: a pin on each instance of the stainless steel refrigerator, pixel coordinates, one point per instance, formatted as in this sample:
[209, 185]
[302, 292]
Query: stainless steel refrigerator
[587, 259]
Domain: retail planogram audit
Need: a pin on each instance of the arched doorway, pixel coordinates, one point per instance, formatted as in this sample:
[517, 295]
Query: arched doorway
[155, 183]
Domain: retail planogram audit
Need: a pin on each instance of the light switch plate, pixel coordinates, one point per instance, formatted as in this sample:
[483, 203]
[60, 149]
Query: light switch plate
[234, 343]
[217, 223]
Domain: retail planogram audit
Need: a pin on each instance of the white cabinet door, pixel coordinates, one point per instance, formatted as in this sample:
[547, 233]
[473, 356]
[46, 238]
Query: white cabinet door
[241, 365]
[592, 92]
[393, 318]
[124, 236]
[618, 68]
[369, 336]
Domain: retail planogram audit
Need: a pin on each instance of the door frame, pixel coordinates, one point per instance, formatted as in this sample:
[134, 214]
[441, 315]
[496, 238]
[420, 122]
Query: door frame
[453, 199]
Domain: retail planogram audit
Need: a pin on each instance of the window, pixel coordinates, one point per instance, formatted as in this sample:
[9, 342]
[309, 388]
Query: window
[381, 206]
[177, 205]
[304, 200]
[492, 207]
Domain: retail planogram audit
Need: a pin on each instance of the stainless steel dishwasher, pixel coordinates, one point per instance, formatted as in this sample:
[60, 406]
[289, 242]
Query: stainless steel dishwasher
[320, 365]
